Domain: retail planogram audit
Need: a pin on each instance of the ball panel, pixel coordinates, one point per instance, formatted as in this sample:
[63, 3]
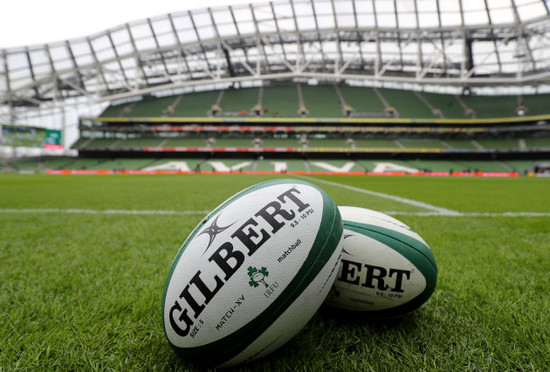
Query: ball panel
[287, 278]
[297, 315]
[387, 269]
[371, 217]
[424, 260]
[388, 280]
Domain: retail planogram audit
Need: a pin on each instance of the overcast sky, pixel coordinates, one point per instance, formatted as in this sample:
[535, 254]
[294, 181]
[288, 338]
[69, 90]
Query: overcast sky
[30, 22]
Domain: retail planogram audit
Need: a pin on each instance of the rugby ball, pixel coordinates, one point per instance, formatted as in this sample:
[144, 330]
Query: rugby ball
[386, 269]
[252, 273]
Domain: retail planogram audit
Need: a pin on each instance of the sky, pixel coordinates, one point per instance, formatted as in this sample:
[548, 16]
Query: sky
[31, 22]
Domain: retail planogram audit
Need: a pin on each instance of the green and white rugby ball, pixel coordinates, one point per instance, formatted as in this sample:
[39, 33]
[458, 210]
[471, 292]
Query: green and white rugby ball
[252, 273]
[386, 269]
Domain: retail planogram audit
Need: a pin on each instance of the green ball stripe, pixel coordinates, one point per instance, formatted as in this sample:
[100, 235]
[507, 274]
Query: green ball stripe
[419, 254]
[330, 233]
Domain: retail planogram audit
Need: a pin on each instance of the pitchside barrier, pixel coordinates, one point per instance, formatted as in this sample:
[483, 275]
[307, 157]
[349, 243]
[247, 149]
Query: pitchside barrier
[367, 173]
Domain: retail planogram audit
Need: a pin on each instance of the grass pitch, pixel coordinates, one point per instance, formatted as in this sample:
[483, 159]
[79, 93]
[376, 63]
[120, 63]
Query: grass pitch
[83, 260]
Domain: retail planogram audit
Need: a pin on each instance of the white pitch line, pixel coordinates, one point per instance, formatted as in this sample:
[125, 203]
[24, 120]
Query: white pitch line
[99, 211]
[433, 208]
[162, 212]
[471, 214]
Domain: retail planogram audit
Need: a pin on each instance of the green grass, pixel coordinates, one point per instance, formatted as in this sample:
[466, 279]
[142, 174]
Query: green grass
[82, 291]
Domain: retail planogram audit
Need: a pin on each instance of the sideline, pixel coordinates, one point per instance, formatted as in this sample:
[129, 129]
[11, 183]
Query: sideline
[433, 208]
[161, 212]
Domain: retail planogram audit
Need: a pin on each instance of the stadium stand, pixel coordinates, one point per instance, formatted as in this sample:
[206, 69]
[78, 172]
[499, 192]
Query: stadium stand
[499, 143]
[280, 101]
[538, 142]
[195, 105]
[448, 105]
[406, 103]
[322, 101]
[137, 142]
[363, 101]
[152, 107]
[492, 106]
[238, 101]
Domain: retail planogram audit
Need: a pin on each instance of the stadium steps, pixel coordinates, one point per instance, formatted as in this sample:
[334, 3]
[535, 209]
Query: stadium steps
[115, 144]
[100, 143]
[435, 111]
[447, 104]
[374, 143]
[499, 144]
[446, 145]
[322, 101]
[136, 143]
[147, 164]
[364, 101]
[169, 111]
[68, 165]
[506, 166]
[406, 103]
[521, 166]
[280, 101]
[85, 143]
[492, 106]
[307, 165]
[234, 101]
[477, 145]
[536, 104]
[461, 144]
[399, 144]
[420, 143]
[538, 142]
[151, 107]
[302, 109]
[195, 104]
[388, 108]
[468, 111]
[254, 165]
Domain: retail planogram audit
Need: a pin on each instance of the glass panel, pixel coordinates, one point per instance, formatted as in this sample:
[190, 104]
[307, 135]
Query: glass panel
[224, 22]
[343, 7]
[166, 40]
[103, 49]
[82, 53]
[123, 44]
[267, 26]
[321, 7]
[184, 27]
[347, 21]
[61, 58]
[385, 13]
[161, 26]
[40, 62]
[406, 19]
[530, 10]
[476, 18]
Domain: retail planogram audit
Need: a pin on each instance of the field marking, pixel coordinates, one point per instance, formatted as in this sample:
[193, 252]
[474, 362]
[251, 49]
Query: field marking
[470, 214]
[433, 208]
[205, 212]
[99, 211]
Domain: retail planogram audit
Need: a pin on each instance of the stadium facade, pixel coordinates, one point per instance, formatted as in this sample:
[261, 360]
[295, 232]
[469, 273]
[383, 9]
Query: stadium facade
[457, 47]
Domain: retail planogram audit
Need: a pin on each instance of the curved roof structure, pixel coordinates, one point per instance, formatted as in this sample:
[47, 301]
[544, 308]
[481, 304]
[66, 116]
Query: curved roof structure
[435, 42]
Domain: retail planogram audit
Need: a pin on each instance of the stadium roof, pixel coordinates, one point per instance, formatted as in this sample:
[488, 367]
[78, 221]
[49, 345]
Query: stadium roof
[435, 42]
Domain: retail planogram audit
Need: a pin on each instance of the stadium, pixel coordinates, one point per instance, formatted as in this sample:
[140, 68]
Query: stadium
[114, 146]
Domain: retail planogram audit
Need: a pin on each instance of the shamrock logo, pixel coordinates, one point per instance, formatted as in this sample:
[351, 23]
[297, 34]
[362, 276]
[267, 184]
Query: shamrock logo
[257, 276]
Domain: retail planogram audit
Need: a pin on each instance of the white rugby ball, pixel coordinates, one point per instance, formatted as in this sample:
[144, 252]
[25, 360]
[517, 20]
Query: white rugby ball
[386, 269]
[252, 273]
